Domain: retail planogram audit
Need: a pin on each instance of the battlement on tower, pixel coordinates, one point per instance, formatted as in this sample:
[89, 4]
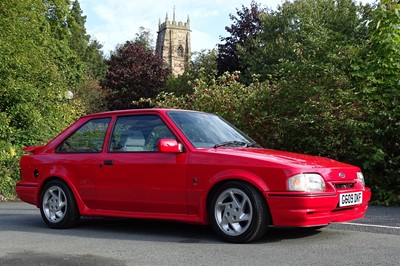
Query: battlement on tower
[173, 24]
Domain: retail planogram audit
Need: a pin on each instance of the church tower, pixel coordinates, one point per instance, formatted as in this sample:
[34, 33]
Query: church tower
[173, 44]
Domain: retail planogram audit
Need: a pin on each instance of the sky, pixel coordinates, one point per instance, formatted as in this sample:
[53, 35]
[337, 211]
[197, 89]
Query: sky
[113, 22]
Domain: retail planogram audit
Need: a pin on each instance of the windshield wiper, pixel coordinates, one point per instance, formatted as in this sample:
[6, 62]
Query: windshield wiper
[233, 143]
[254, 145]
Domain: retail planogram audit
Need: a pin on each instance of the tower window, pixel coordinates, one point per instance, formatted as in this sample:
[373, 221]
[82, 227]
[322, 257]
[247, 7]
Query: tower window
[180, 51]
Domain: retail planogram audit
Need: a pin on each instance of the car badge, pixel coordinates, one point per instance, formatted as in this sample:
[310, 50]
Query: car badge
[342, 175]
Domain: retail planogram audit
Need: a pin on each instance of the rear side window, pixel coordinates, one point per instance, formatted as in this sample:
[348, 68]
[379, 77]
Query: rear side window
[89, 138]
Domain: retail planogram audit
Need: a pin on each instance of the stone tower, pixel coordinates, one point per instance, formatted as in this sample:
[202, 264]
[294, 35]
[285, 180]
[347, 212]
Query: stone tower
[173, 44]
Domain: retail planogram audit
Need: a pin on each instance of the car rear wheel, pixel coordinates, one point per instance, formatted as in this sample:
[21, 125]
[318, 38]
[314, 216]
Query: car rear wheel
[58, 206]
[238, 212]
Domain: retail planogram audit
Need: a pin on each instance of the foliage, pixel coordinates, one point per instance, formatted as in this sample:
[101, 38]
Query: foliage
[9, 160]
[57, 15]
[92, 96]
[37, 68]
[225, 96]
[145, 38]
[245, 24]
[90, 59]
[203, 64]
[96, 66]
[377, 73]
[304, 50]
[179, 85]
[78, 41]
[133, 72]
[318, 33]
[87, 49]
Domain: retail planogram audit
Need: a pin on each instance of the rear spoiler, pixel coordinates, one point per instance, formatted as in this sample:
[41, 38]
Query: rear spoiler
[33, 149]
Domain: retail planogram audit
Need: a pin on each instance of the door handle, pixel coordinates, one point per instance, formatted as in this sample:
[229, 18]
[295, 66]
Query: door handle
[108, 162]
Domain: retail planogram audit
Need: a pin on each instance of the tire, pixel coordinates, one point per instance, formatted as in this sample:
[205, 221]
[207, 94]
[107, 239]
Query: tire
[238, 212]
[58, 206]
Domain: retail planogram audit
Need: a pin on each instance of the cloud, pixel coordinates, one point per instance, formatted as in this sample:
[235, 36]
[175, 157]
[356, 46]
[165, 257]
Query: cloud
[202, 40]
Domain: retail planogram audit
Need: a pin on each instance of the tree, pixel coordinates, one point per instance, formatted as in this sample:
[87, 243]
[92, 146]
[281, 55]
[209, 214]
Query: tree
[205, 60]
[88, 90]
[203, 65]
[94, 60]
[87, 49]
[246, 24]
[57, 15]
[92, 95]
[79, 39]
[145, 38]
[304, 33]
[34, 76]
[376, 70]
[133, 72]
[44, 53]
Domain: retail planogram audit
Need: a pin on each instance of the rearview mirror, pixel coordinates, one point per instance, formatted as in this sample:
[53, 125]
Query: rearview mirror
[169, 146]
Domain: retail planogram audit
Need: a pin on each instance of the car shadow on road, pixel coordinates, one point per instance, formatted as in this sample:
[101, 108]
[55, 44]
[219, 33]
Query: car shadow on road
[161, 231]
[136, 229]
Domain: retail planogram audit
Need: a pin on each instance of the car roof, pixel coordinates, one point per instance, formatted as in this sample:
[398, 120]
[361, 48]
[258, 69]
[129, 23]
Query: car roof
[135, 111]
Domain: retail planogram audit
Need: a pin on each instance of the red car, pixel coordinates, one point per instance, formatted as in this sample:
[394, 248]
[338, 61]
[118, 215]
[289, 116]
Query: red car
[185, 166]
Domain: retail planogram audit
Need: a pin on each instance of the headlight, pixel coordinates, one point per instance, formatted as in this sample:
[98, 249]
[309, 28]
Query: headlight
[306, 182]
[360, 177]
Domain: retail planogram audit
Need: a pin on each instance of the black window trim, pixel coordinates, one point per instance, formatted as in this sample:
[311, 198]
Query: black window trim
[73, 132]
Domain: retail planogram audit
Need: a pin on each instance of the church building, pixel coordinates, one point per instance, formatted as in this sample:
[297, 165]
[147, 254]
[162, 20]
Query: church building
[173, 44]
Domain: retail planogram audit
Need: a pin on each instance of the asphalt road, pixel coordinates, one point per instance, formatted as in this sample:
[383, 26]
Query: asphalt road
[25, 240]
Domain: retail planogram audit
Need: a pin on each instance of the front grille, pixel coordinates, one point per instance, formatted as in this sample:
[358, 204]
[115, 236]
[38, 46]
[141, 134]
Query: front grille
[344, 185]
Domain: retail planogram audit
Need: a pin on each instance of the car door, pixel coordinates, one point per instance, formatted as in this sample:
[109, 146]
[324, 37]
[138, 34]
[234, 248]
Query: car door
[135, 177]
[79, 155]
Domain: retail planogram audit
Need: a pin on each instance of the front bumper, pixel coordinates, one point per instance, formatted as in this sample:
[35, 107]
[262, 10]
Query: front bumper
[308, 209]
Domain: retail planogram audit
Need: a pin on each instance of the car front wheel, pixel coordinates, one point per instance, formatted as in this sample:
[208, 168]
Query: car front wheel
[238, 212]
[58, 206]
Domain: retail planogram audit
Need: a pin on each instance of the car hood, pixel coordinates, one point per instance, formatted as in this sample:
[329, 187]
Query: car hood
[284, 158]
[330, 169]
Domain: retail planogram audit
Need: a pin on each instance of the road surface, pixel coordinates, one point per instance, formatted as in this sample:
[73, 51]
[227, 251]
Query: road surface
[26, 240]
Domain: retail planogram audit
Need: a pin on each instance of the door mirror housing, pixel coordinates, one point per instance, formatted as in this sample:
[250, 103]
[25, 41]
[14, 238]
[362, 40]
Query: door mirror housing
[169, 146]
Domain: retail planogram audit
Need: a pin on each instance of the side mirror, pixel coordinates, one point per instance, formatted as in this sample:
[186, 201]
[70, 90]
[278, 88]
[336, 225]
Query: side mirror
[169, 146]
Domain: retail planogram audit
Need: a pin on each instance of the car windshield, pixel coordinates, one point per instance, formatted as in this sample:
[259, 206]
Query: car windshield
[207, 130]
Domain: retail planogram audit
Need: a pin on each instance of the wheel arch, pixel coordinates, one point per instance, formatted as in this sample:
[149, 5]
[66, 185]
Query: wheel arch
[237, 176]
[225, 220]
[79, 202]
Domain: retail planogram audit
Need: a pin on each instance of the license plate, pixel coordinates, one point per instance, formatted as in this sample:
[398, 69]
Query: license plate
[349, 199]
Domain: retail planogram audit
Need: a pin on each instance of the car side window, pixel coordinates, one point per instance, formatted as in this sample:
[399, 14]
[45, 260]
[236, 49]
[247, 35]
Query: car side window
[138, 133]
[89, 138]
